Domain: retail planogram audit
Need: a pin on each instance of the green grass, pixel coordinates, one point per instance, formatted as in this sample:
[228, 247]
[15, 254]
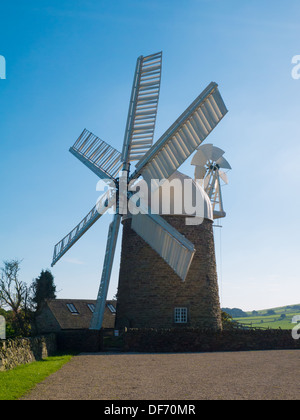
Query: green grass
[18, 381]
[261, 319]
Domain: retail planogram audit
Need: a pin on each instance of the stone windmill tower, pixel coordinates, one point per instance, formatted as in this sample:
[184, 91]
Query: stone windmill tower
[150, 293]
[168, 270]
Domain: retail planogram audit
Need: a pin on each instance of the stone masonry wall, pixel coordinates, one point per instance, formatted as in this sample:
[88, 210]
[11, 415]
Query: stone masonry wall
[197, 340]
[25, 350]
[149, 290]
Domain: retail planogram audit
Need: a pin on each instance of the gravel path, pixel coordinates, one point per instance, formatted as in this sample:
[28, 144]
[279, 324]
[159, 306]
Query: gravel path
[185, 376]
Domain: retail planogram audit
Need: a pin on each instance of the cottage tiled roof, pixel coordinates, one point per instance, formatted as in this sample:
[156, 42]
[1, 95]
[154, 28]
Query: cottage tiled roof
[68, 320]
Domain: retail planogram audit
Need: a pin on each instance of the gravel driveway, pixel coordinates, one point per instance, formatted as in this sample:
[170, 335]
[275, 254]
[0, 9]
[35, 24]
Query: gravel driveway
[175, 376]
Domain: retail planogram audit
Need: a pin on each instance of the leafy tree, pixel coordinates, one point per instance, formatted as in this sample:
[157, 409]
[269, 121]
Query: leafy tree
[15, 295]
[235, 312]
[270, 312]
[43, 288]
[227, 321]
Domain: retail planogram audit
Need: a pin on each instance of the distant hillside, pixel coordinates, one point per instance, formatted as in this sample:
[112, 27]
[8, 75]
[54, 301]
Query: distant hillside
[279, 311]
[280, 317]
[238, 313]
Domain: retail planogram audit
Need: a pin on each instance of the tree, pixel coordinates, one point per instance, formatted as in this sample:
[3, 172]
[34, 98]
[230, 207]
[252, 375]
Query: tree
[270, 312]
[15, 295]
[227, 321]
[43, 288]
[235, 312]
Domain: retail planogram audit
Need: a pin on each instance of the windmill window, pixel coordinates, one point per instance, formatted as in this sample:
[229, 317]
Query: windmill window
[180, 315]
[72, 309]
[91, 307]
[111, 308]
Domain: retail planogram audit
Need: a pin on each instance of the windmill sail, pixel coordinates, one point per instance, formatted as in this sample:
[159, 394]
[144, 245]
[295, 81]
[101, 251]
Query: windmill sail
[113, 231]
[173, 247]
[208, 153]
[222, 163]
[105, 202]
[143, 107]
[183, 137]
[100, 157]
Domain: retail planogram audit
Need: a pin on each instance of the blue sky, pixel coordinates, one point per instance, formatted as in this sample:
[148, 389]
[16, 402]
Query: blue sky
[70, 66]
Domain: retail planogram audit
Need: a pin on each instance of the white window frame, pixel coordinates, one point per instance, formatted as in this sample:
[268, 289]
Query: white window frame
[72, 308]
[91, 307]
[111, 308]
[180, 315]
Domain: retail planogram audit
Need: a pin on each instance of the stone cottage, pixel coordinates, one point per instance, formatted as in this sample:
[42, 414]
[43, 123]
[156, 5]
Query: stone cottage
[58, 315]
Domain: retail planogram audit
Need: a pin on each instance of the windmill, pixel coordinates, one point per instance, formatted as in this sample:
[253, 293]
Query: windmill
[208, 162]
[158, 161]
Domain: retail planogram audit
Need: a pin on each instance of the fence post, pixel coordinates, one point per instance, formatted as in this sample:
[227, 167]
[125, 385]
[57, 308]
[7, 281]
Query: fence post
[2, 328]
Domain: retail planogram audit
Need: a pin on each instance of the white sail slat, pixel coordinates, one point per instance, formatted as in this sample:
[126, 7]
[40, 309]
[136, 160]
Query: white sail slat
[105, 202]
[173, 247]
[185, 135]
[97, 318]
[143, 108]
[102, 159]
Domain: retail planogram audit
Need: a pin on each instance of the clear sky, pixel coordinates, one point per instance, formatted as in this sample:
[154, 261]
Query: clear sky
[70, 66]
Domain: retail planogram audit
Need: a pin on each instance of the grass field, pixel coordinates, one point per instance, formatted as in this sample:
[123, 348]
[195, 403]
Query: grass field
[16, 382]
[281, 318]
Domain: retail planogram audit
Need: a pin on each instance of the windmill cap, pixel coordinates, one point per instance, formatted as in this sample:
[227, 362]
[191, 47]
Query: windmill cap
[180, 195]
